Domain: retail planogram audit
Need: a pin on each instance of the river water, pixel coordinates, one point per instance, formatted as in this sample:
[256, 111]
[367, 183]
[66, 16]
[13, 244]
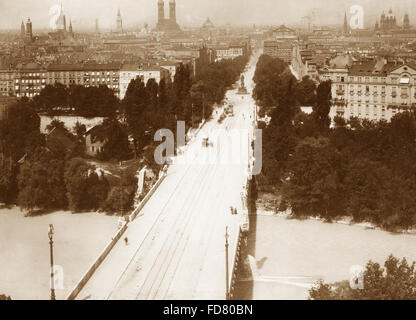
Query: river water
[287, 256]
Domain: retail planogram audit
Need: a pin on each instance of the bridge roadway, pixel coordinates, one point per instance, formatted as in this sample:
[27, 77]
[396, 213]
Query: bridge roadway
[176, 245]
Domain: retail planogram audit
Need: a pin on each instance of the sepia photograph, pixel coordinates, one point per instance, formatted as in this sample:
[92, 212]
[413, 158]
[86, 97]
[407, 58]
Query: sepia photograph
[185, 150]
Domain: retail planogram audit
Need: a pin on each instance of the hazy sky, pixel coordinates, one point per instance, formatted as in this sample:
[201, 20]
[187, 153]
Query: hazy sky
[193, 12]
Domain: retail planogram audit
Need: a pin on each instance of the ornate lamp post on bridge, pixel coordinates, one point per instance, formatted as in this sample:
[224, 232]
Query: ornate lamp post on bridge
[227, 289]
[50, 234]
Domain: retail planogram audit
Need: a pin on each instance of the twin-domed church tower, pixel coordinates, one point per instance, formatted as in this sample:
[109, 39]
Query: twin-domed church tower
[167, 24]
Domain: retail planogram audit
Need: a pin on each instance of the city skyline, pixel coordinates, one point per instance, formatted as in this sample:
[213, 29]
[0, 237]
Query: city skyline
[195, 12]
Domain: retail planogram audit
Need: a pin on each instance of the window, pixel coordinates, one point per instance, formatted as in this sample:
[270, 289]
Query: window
[405, 80]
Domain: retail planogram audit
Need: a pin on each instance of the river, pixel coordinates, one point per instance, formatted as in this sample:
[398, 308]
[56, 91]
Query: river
[24, 250]
[288, 255]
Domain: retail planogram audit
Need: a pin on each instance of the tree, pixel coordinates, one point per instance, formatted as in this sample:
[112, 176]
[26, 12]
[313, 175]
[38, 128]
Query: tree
[396, 281]
[20, 132]
[121, 198]
[51, 98]
[323, 105]
[4, 297]
[86, 190]
[197, 96]
[8, 181]
[269, 82]
[181, 87]
[79, 129]
[314, 186]
[40, 181]
[134, 105]
[117, 142]
[56, 123]
[306, 92]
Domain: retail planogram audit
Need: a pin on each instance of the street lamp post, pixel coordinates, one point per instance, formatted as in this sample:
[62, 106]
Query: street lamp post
[227, 290]
[203, 106]
[50, 234]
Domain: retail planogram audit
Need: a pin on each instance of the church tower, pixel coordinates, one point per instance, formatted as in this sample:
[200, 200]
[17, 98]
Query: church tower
[161, 11]
[346, 29]
[172, 11]
[119, 22]
[22, 30]
[29, 33]
[406, 21]
[70, 28]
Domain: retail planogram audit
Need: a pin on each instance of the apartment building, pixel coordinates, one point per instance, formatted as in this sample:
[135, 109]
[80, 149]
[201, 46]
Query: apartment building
[29, 80]
[6, 82]
[374, 89]
[132, 71]
[281, 50]
[103, 74]
[85, 75]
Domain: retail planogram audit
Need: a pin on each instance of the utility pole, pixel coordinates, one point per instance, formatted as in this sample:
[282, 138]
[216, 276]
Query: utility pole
[192, 115]
[227, 290]
[203, 106]
[121, 189]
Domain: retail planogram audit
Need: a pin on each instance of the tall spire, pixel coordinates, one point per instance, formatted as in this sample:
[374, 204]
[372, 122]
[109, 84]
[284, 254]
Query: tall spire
[119, 22]
[345, 23]
[161, 11]
[22, 30]
[172, 11]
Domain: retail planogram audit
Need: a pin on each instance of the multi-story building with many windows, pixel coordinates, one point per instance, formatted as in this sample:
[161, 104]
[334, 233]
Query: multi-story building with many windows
[29, 80]
[6, 82]
[85, 75]
[281, 50]
[375, 90]
[66, 74]
[132, 71]
[103, 74]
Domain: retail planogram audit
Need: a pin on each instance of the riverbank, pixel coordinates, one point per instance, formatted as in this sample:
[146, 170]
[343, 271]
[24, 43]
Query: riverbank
[24, 249]
[268, 202]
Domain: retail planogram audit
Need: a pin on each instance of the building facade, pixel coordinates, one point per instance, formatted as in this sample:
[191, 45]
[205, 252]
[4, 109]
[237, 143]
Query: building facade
[228, 52]
[281, 50]
[374, 90]
[170, 24]
[6, 82]
[85, 75]
[29, 80]
[103, 75]
[133, 71]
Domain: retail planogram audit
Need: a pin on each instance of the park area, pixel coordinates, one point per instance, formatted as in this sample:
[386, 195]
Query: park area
[24, 250]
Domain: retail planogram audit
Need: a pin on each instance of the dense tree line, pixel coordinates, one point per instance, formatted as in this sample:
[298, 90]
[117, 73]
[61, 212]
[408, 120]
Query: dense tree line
[41, 174]
[396, 281]
[19, 135]
[361, 169]
[148, 107]
[78, 100]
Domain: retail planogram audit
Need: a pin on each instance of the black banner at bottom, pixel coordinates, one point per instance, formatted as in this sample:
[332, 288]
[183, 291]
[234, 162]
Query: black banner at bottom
[198, 309]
